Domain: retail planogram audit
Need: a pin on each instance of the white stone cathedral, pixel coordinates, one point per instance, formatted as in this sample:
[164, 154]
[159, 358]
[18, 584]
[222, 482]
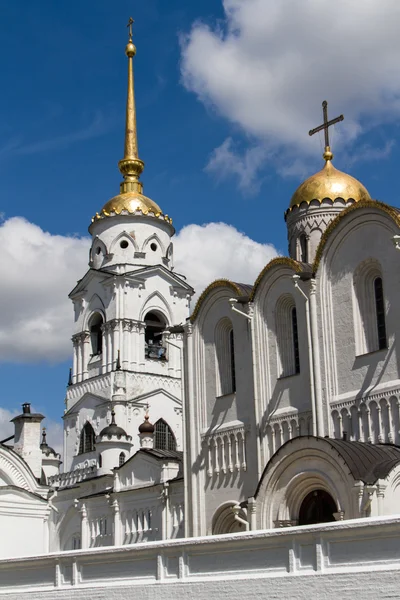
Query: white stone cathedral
[270, 405]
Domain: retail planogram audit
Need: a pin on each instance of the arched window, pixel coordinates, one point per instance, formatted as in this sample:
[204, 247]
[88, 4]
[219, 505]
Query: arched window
[225, 357]
[96, 334]
[232, 353]
[380, 313]
[164, 439]
[154, 345]
[287, 336]
[86, 442]
[121, 459]
[295, 341]
[317, 507]
[369, 308]
[303, 248]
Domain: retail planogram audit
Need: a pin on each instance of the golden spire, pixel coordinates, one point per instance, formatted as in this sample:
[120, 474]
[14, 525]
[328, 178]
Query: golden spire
[131, 166]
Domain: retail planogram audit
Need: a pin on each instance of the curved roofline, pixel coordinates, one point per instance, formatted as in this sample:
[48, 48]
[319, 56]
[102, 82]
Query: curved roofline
[385, 455]
[389, 210]
[275, 262]
[218, 283]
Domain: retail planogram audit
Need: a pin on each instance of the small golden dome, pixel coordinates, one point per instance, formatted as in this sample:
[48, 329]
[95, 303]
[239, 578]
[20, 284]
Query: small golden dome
[329, 183]
[130, 202]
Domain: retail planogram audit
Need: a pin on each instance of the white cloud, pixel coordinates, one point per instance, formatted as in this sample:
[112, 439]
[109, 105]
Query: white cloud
[54, 430]
[226, 160]
[37, 271]
[204, 253]
[269, 64]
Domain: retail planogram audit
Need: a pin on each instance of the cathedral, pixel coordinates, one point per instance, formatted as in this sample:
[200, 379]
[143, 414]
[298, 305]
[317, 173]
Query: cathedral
[268, 405]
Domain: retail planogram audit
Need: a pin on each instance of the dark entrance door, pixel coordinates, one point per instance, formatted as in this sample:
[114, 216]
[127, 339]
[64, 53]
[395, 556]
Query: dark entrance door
[317, 507]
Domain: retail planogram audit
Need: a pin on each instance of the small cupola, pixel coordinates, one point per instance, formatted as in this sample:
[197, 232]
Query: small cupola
[146, 432]
[114, 446]
[51, 460]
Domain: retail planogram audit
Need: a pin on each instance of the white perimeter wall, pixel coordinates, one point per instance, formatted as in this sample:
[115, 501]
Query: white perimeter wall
[348, 559]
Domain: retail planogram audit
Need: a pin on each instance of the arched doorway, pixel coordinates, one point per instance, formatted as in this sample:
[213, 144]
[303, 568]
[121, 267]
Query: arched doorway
[317, 507]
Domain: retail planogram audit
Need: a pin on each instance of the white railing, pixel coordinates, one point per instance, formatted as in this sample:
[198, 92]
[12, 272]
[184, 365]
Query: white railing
[225, 450]
[363, 554]
[72, 477]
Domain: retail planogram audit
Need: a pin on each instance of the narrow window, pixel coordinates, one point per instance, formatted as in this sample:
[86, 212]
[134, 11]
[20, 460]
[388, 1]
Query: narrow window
[100, 461]
[164, 438]
[86, 442]
[232, 355]
[121, 459]
[295, 341]
[154, 345]
[380, 313]
[303, 247]
[76, 542]
[96, 335]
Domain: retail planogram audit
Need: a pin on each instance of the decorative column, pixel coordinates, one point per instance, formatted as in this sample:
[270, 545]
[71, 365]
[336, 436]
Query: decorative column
[85, 337]
[379, 423]
[125, 345]
[117, 524]
[252, 513]
[390, 422]
[109, 347]
[165, 512]
[75, 359]
[79, 358]
[317, 359]
[140, 344]
[114, 331]
[84, 528]
[104, 351]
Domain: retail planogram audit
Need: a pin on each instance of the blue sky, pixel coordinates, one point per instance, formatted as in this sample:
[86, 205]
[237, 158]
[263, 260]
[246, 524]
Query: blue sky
[63, 75]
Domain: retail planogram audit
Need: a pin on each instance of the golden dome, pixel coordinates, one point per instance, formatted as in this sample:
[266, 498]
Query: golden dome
[131, 202]
[329, 183]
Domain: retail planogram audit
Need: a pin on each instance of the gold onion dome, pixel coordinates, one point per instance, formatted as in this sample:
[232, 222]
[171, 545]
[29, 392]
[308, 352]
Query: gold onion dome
[329, 183]
[131, 199]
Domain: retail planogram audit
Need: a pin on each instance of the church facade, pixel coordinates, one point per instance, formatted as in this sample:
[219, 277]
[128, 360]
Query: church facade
[271, 404]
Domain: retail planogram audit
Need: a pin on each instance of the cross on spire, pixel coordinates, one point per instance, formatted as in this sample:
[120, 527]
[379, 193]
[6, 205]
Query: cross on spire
[325, 126]
[130, 23]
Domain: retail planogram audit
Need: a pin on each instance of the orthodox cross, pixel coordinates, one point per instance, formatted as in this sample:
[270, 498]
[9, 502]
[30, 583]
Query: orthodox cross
[326, 124]
[130, 23]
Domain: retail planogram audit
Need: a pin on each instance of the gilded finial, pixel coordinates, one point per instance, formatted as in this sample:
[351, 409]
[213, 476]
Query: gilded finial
[131, 166]
[327, 155]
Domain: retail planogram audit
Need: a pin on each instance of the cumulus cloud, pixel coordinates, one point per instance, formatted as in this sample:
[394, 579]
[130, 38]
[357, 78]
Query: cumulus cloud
[204, 253]
[269, 64]
[54, 429]
[37, 271]
[227, 160]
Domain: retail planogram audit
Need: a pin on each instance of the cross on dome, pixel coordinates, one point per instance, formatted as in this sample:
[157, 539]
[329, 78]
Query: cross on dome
[129, 25]
[325, 126]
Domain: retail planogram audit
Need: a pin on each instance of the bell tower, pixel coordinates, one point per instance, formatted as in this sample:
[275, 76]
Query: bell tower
[126, 308]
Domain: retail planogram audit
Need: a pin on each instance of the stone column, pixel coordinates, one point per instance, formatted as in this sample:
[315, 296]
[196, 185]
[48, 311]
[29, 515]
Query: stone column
[117, 524]
[104, 350]
[125, 345]
[75, 359]
[84, 528]
[85, 353]
[79, 359]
